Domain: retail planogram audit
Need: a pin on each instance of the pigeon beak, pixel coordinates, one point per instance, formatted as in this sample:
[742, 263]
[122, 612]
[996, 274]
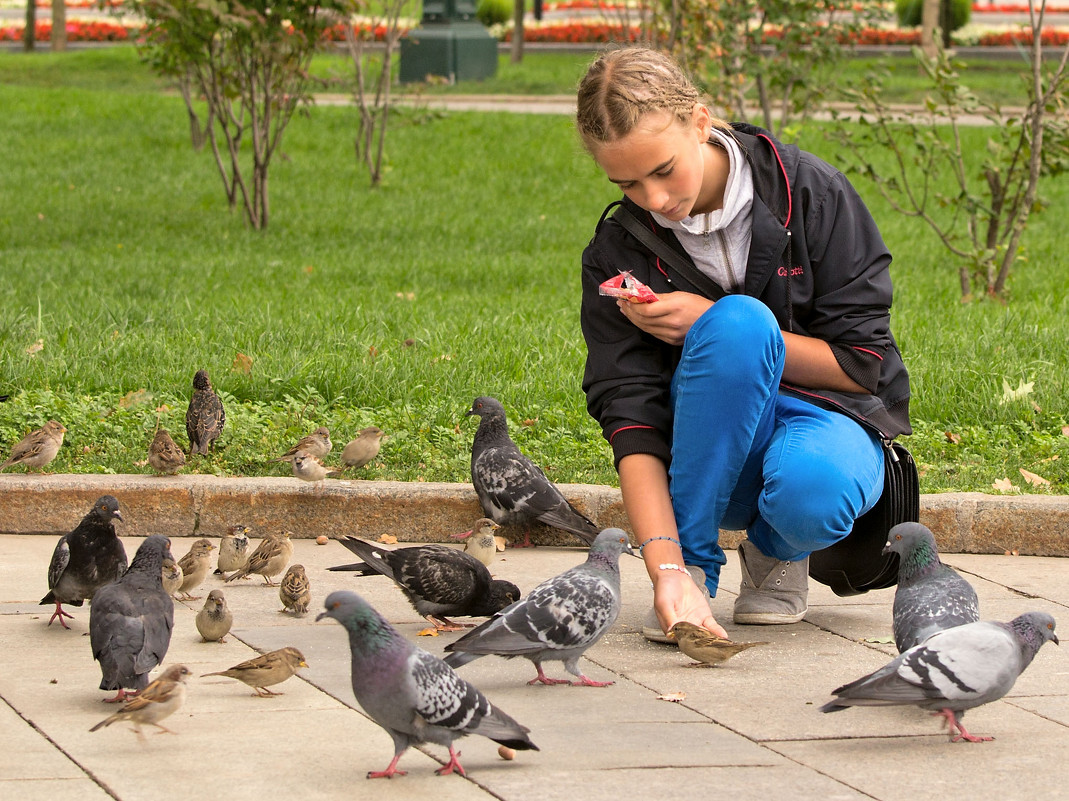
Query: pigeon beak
[321, 615]
[1054, 639]
[118, 516]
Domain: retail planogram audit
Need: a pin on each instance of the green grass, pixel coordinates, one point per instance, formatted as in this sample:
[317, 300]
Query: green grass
[397, 306]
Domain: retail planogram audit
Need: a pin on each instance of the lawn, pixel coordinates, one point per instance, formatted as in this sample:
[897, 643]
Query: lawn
[124, 273]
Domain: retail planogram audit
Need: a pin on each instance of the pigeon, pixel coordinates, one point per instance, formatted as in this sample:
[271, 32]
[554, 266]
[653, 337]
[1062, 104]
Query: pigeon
[164, 456]
[412, 694]
[37, 448]
[708, 649]
[295, 591]
[215, 619]
[953, 670]
[315, 444]
[308, 468]
[233, 549]
[930, 596]
[479, 541]
[511, 488]
[86, 559]
[269, 559]
[172, 576]
[560, 618]
[363, 449]
[130, 621]
[161, 699]
[266, 670]
[438, 581]
[205, 416]
[195, 566]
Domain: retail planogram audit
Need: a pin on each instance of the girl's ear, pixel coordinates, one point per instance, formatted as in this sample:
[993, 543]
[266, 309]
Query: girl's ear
[703, 122]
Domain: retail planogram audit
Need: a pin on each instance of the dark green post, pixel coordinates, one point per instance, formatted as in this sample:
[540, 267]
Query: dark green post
[449, 42]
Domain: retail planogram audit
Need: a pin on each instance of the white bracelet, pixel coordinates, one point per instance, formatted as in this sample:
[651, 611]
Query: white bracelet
[672, 566]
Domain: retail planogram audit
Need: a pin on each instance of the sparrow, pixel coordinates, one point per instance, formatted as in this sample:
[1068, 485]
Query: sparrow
[195, 566]
[233, 549]
[164, 456]
[172, 576]
[37, 448]
[161, 699]
[308, 468]
[205, 416]
[363, 449]
[266, 670]
[295, 591]
[317, 444]
[269, 559]
[479, 541]
[215, 619]
[709, 650]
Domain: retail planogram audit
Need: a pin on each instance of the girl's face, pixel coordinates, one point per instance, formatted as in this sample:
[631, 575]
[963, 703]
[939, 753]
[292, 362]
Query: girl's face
[661, 165]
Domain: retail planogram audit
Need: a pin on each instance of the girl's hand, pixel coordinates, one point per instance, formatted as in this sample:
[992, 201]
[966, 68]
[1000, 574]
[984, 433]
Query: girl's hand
[676, 597]
[670, 318]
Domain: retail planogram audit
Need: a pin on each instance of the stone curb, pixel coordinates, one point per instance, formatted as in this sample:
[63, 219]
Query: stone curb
[200, 505]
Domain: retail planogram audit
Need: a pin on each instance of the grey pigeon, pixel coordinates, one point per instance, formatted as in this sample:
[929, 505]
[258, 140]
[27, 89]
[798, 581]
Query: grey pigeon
[205, 416]
[86, 559]
[559, 619]
[953, 670]
[512, 489]
[930, 596]
[412, 694]
[438, 581]
[130, 621]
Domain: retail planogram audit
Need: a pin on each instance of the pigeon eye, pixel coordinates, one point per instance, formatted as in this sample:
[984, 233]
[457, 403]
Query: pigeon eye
[898, 537]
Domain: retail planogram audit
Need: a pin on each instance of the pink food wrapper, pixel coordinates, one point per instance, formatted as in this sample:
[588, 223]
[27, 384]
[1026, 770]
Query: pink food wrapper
[627, 286]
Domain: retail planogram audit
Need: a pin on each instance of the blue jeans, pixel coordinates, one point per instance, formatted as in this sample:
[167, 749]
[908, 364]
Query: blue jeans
[794, 475]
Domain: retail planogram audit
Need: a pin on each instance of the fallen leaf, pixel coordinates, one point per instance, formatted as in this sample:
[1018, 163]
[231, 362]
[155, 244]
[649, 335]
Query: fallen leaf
[372, 351]
[530, 422]
[880, 640]
[431, 632]
[952, 437]
[1003, 485]
[673, 697]
[408, 343]
[134, 397]
[1033, 479]
[1065, 431]
[309, 269]
[241, 364]
[1023, 390]
[162, 408]
[1014, 552]
[405, 295]
[39, 345]
[387, 539]
[141, 463]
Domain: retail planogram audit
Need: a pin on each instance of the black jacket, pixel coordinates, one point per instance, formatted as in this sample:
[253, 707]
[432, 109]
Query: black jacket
[816, 259]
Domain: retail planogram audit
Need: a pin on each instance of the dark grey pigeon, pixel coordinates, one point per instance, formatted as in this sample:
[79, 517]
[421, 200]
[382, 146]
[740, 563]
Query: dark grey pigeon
[412, 694]
[86, 559]
[953, 670]
[130, 621]
[512, 489]
[559, 620]
[930, 596]
[438, 581]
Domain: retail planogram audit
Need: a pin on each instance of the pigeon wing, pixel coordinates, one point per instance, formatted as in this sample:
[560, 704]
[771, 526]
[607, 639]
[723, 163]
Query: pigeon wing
[441, 574]
[61, 557]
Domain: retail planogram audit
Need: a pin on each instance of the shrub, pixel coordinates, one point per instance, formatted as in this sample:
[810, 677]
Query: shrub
[909, 13]
[494, 12]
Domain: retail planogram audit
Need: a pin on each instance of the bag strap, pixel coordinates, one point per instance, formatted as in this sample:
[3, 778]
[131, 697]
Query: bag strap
[710, 288]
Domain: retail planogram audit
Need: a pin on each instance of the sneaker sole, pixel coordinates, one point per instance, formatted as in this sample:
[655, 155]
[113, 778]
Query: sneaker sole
[767, 618]
[656, 635]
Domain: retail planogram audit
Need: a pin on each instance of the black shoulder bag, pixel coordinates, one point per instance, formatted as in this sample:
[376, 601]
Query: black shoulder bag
[855, 564]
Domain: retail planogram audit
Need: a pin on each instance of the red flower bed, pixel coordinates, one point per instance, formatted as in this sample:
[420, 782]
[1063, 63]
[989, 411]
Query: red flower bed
[336, 33]
[1014, 8]
[1048, 36]
[577, 33]
[76, 32]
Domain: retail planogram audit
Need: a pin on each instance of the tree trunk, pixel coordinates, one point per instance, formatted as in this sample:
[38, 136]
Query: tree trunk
[929, 22]
[517, 32]
[59, 25]
[29, 33]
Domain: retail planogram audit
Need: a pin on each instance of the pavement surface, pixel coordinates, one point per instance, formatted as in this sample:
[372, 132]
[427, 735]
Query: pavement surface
[749, 729]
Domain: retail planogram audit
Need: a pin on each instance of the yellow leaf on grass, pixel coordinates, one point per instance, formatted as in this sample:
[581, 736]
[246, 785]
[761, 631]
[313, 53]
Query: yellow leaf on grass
[37, 346]
[134, 397]
[241, 364]
[387, 539]
[1009, 394]
[1003, 485]
[1033, 479]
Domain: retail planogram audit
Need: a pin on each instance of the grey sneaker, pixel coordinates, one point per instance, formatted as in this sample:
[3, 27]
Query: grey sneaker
[651, 627]
[772, 592]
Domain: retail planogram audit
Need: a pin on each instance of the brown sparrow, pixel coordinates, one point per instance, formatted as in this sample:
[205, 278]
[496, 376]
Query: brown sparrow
[195, 566]
[215, 619]
[172, 576]
[708, 649]
[363, 449]
[37, 448]
[233, 549]
[269, 559]
[317, 444]
[295, 591]
[205, 416]
[267, 670]
[308, 468]
[164, 456]
[161, 699]
[480, 542]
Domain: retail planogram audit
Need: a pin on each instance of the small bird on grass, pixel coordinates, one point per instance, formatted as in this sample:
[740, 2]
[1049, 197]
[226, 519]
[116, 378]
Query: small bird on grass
[708, 649]
[953, 670]
[308, 468]
[316, 444]
[161, 699]
[37, 448]
[215, 619]
[130, 621]
[172, 576]
[439, 581]
[512, 489]
[930, 596]
[205, 416]
[361, 450]
[479, 541]
[269, 559]
[233, 549]
[266, 670]
[412, 694]
[164, 456]
[195, 566]
[86, 559]
[295, 591]
[559, 620]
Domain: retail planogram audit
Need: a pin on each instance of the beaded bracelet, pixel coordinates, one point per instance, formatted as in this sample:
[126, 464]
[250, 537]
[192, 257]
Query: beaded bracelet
[651, 539]
[672, 566]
